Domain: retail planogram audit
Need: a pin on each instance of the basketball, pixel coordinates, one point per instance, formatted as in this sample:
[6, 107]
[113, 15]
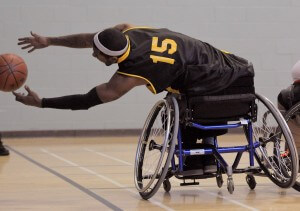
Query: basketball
[13, 72]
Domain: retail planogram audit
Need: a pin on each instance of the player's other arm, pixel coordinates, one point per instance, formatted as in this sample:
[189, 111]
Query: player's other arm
[112, 90]
[83, 40]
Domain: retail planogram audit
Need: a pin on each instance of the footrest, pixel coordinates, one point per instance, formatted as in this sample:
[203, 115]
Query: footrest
[189, 183]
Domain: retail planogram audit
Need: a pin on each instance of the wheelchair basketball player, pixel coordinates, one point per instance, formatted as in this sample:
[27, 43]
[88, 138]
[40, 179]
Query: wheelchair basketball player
[159, 58]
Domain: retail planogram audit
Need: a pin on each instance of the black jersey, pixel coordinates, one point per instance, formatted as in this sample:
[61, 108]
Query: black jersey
[169, 60]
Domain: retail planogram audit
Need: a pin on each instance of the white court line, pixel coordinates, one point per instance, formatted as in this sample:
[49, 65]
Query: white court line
[205, 191]
[103, 177]
[110, 157]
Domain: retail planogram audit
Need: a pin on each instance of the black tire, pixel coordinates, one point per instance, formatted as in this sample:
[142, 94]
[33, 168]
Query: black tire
[219, 179]
[250, 179]
[157, 142]
[294, 113]
[230, 185]
[275, 139]
[167, 185]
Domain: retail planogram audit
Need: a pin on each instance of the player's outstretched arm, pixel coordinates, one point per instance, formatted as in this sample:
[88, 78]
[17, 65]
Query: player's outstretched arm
[118, 86]
[114, 89]
[36, 41]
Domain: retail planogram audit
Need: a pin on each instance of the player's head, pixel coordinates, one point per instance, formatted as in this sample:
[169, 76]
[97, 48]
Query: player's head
[296, 72]
[109, 45]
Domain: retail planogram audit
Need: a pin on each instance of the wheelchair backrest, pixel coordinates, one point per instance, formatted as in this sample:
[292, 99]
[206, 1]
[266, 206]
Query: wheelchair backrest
[222, 108]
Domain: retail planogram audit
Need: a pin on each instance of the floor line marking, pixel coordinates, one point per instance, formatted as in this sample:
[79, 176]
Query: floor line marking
[68, 180]
[110, 157]
[103, 177]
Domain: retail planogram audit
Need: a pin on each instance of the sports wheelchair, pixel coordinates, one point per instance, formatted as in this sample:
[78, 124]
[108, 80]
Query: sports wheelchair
[293, 116]
[160, 154]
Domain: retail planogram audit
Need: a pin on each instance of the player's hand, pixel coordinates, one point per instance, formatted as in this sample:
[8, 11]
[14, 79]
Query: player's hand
[31, 99]
[34, 42]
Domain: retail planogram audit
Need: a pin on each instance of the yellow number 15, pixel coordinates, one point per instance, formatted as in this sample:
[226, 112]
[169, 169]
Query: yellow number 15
[163, 48]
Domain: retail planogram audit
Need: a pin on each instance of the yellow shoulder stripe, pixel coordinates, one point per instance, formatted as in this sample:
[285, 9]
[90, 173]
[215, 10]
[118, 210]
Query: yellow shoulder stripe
[138, 27]
[126, 54]
[151, 88]
[169, 89]
[226, 52]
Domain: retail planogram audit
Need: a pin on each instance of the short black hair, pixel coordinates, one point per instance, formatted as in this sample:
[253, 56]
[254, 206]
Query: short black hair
[112, 39]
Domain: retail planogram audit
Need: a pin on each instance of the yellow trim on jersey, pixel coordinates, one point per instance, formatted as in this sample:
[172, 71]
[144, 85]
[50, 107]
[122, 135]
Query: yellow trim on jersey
[149, 85]
[169, 89]
[226, 52]
[138, 27]
[126, 54]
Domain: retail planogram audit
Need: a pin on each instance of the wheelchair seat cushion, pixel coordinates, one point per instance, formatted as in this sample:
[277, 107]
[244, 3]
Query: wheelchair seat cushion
[225, 107]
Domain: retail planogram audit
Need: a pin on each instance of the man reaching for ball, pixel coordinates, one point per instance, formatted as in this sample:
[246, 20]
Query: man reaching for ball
[158, 58]
[109, 46]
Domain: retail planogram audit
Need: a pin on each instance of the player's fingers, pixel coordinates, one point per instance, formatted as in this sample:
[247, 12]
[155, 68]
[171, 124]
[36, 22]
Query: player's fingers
[23, 42]
[24, 39]
[32, 49]
[28, 89]
[19, 97]
[33, 34]
[15, 93]
[27, 46]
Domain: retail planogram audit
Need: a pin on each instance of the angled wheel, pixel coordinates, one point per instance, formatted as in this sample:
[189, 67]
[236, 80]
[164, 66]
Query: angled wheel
[230, 185]
[251, 181]
[292, 117]
[167, 185]
[276, 155]
[219, 179]
[156, 147]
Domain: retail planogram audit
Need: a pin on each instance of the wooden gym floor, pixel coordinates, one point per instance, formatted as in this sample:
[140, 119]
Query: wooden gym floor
[97, 174]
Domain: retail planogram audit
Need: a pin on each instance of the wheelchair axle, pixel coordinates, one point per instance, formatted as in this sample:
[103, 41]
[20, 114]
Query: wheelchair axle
[153, 145]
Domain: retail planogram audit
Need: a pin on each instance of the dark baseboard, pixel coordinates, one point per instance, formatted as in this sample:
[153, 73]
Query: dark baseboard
[70, 133]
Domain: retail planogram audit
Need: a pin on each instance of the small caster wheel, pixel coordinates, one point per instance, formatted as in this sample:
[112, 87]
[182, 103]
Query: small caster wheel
[219, 179]
[251, 181]
[167, 185]
[230, 185]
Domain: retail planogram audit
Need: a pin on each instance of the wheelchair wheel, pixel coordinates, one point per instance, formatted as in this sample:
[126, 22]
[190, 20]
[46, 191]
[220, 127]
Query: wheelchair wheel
[276, 155]
[167, 185]
[230, 185]
[251, 181]
[219, 179]
[156, 147]
[293, 114]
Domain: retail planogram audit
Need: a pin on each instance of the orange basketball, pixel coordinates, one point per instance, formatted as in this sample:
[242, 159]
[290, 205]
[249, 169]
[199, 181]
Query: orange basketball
[13, 72]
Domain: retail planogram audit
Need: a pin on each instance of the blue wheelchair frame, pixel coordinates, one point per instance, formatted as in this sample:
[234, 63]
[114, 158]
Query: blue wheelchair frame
[217, 151]
[281, 170]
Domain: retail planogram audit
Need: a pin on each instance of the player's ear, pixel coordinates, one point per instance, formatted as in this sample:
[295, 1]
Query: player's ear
[113, 59]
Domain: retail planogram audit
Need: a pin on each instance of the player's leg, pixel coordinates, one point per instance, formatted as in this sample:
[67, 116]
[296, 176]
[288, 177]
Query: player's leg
[193, 165]
[209, 162]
